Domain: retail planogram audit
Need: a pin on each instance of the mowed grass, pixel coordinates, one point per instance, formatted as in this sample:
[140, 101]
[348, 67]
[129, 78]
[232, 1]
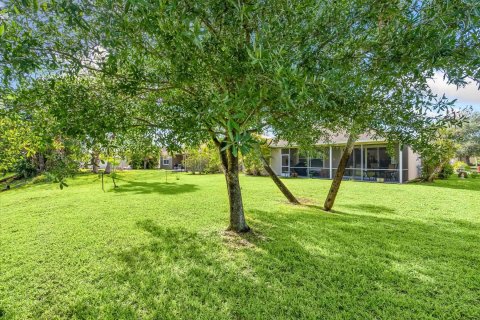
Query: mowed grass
[156, 249]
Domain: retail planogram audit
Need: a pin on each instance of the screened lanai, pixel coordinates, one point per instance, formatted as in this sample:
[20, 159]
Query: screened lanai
[367, 163]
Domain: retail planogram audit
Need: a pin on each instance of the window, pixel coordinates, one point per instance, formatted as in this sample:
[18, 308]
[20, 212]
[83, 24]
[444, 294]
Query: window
[384, 158]
[372, 158]
[378, 158]
[316, 159]
[301, 159]
[298, 162]
[355, 160]
[166, 162]
[285, 160]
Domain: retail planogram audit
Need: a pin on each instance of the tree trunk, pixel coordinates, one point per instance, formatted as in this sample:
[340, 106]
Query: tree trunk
[95, 162]
[436, 171]
[337, 180]
[145, 162]
[41, 162]
[231, 169]
[108, 168]
[283, 188]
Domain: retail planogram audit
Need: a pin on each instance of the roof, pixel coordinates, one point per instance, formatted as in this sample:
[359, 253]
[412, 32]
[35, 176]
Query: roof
[333, 140]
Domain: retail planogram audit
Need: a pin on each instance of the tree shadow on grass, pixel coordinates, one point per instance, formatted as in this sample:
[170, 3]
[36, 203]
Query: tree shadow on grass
[371, 208]
[177, 274]
[298, 264]
[388, 258]
[140, 187]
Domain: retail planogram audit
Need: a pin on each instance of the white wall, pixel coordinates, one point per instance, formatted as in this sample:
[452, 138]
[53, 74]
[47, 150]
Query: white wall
[413, 163]
[276, 160]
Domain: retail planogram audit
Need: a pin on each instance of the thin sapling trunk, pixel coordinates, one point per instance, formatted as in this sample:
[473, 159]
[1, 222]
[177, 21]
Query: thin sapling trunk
[337, 180]
[283, 188]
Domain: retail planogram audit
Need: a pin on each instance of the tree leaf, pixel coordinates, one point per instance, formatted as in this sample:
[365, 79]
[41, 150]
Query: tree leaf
[35, 5]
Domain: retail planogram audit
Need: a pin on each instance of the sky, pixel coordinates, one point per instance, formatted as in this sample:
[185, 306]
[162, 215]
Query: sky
[467, 96]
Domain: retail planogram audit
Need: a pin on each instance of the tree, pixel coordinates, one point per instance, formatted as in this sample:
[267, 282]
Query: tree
[468, 137]
[222, 71]
[376, 64]
[215, 68]
[438, 149]
[80, 110]
[203, 159]
[141, 147]
[15, 142]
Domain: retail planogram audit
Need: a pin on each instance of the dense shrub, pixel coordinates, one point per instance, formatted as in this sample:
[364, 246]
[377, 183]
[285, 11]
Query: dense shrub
[252, 164]
[59, 167]
[142, 161]
[460, 166]
[446, 172]
[25, 168]
[204, 159]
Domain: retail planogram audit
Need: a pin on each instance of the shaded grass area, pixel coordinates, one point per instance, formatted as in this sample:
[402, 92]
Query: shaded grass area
[6, 175]
[153, 249]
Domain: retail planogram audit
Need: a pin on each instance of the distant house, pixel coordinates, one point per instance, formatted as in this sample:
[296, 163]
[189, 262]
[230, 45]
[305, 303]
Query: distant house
[170, 161]
[369, 161]
[122, 165]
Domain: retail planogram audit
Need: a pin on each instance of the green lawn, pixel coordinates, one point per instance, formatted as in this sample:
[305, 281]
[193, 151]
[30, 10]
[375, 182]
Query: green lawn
[157, 250]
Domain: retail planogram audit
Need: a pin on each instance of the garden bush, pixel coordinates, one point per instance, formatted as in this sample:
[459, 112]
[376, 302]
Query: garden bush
[460, 166]
[446, 172]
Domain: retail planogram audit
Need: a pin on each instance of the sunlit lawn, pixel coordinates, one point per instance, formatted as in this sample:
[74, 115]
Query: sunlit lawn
[156, 249]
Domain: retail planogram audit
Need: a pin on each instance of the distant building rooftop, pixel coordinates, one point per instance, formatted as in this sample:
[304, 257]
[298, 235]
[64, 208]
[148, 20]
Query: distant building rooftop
[334, 140]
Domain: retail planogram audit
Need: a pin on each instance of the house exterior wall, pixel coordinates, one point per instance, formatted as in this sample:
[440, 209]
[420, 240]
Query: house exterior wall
[176, 160]
[389, 168]
[276, 160]
[414, 164]
[123, 164]
[168, 166]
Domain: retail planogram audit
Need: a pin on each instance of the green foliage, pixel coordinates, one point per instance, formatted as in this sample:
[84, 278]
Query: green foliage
[25, 168]
[446, 172]
[252, 165]
[438, 149]
[39, 179]
[251, 162]
[16, 142]
[468, 136]
[460, 166]
[59, 167]
[142, 161]
[223, 71]
[204, 159]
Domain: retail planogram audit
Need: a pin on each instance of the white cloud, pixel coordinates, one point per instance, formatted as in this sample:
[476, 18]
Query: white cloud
[466, 96]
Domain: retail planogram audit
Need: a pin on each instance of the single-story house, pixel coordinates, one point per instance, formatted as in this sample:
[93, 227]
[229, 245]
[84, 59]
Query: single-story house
[369, 161]
[170, 161]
